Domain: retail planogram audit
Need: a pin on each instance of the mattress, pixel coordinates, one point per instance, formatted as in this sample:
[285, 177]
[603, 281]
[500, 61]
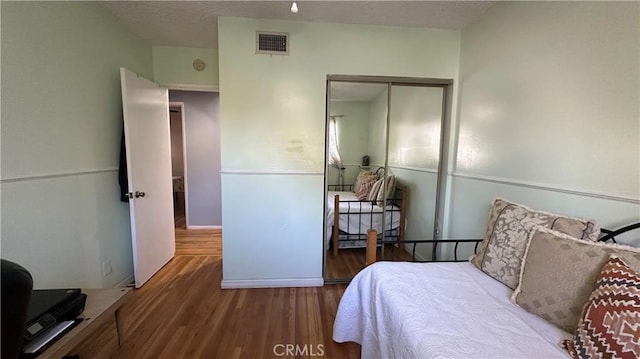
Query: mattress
[439, 310]
[365, 215]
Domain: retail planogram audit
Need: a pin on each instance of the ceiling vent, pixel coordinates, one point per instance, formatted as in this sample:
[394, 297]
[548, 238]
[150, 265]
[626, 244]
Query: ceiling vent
[273, 43]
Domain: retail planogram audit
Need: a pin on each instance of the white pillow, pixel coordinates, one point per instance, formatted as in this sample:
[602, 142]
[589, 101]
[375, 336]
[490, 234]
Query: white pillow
[373, 194]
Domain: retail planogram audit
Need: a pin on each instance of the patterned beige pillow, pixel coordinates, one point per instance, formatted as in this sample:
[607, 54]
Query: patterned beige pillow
[363, 176]
[500, 254]
[386, 191]
[559, 273]
[363, 191]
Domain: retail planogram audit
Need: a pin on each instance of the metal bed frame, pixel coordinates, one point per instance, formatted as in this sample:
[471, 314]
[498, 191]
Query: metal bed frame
[606, 235]
[398, 200]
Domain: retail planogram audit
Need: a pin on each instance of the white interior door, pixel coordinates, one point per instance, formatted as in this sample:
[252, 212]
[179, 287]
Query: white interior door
[148, 144]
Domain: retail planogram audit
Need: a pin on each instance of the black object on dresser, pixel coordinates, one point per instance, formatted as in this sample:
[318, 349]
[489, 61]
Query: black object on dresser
[16, 291]
[52, 313]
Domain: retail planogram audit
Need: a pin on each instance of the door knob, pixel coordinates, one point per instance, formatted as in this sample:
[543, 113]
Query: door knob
[139, 194]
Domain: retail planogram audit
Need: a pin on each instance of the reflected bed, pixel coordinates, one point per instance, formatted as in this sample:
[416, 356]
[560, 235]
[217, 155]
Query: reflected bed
[355, 218]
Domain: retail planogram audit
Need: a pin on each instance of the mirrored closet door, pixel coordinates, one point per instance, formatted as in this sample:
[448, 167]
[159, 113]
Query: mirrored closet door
[415, 127]
[356, 157]
[383, 159]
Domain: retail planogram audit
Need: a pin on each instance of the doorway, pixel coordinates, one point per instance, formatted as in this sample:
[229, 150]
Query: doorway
[178, 163]
[201, 157]
[196, 172]
[386, 148]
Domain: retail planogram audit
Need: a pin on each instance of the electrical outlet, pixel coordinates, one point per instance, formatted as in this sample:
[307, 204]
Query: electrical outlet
[106, 268]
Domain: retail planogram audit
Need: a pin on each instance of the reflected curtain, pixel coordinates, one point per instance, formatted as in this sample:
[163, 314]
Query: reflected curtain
[335, 160]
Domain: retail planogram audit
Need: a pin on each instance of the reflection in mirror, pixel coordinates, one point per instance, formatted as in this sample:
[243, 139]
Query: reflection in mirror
[359, 112]
[384, 144]
[413, 156]
[362, 195]
[356, 149]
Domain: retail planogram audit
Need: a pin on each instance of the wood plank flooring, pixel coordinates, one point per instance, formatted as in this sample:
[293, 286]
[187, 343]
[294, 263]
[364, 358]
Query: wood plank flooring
[201, 242]
[182, 313]
[350, 261]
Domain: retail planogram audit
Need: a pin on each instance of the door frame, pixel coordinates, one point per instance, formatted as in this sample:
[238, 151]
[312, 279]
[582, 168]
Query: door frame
[184, 159]
[202, 89]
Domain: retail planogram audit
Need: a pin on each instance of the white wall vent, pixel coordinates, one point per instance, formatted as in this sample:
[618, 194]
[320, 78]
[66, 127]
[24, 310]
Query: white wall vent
[274, 43]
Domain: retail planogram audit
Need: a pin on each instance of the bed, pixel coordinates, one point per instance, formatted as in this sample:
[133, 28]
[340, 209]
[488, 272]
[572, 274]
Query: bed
[456, 310]
[439, 310]
[356, 217]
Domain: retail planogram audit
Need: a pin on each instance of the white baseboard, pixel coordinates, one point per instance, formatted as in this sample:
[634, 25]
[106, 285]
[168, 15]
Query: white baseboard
[420, 257]
[271, 283]
[126, 282]
[203, 227]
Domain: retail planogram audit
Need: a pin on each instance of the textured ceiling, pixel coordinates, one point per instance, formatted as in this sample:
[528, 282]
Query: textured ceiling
[195, 23]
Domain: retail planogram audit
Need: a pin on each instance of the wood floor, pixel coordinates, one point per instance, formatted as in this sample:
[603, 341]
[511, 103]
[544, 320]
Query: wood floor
[350, 261]
[201, 242]
[182, 313]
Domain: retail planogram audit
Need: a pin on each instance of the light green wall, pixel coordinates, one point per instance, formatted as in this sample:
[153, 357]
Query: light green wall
[353, 139]
[282, 98]
[61, 128]
[272, 113]
[550, 94]
[421, 187]
[61, 98]
[414, 129]
[549, 112]
[378, 130]
[414, 150]
[174, 66]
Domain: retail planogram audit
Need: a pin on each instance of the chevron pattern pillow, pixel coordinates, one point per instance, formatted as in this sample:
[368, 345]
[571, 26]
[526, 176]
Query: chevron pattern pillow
[610, 322]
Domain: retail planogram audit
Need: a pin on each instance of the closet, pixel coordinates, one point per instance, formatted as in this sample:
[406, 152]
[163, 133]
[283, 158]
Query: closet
[385, 135]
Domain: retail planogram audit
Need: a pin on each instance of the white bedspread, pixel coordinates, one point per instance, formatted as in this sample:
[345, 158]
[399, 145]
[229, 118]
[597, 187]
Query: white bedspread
[359, 223]
[439, 310]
